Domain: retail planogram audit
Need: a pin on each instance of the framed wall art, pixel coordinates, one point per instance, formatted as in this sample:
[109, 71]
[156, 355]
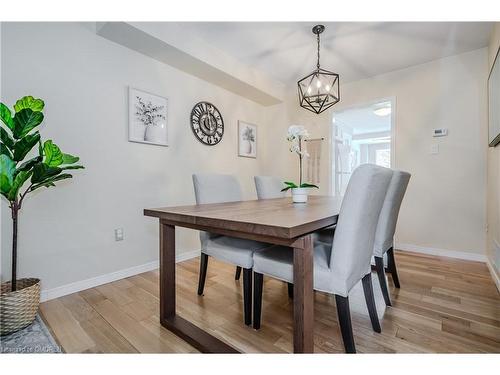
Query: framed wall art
[247, 139]
[147, 121]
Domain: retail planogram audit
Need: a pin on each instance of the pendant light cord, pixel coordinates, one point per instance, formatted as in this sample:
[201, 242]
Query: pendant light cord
[317, 37]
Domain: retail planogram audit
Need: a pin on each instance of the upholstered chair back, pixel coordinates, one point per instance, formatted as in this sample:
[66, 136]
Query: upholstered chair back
[216, 188]
[269, 187]
[357, 223]
[384, 236]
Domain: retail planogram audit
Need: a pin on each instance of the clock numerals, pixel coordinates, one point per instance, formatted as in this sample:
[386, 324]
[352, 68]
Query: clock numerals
[207, 123]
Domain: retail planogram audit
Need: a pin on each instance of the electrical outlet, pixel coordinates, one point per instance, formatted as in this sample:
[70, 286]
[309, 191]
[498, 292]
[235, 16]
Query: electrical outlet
[119, 234]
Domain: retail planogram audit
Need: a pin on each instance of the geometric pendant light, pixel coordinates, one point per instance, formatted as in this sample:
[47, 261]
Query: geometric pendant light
[319, 90]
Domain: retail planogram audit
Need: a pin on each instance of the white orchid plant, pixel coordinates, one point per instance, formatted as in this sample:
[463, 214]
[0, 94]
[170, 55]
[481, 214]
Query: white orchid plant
[296, 135]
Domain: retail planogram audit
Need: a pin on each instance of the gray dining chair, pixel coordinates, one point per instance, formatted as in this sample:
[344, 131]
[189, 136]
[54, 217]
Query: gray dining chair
[340, 265]
[218, 188]
[384, 236]
[269, 187]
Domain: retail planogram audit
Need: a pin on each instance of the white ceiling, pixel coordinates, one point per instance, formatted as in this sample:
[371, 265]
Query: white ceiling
[363, 120]
[355, 50]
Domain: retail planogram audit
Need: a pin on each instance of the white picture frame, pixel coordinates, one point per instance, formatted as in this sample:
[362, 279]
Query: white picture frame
[247, 140]
[147, 118]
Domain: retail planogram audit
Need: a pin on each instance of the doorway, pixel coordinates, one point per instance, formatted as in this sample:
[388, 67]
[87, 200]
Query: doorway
[361, 134]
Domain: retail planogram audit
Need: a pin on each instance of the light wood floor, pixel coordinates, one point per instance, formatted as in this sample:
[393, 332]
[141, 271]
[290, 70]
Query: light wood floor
[444, 305]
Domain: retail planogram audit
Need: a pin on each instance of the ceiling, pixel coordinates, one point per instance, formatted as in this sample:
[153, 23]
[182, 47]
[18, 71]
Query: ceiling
[287, 50]
[362, 120]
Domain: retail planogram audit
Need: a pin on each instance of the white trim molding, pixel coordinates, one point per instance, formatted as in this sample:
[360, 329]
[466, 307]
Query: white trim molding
[465, 255]
[494, 273]
[493, 263]
[78, 286]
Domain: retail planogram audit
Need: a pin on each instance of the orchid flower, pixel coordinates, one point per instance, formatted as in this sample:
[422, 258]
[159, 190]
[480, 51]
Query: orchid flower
[297, 134]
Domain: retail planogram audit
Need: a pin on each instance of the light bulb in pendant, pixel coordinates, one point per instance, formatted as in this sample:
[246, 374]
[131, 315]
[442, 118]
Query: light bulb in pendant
[309, 89]
[318, 83]
[327, 88]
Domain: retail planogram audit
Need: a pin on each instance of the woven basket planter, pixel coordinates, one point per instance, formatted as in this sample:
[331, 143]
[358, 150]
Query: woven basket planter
[18, 309]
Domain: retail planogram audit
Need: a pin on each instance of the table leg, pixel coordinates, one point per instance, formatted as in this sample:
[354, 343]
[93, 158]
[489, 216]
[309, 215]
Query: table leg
[303, 298]
[186, 330]
[167, 271]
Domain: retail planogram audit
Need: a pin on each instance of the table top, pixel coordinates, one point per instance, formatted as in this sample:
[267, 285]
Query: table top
[269, 217]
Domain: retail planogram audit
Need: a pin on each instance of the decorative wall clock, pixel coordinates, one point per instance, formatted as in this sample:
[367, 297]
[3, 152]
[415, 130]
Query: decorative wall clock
[207, 123]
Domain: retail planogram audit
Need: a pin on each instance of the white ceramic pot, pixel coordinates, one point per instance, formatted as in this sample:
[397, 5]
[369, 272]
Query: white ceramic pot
[247, 147]
[299, 195]
[155, 133]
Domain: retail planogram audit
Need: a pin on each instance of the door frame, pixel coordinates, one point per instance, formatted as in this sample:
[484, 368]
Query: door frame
[369, 103]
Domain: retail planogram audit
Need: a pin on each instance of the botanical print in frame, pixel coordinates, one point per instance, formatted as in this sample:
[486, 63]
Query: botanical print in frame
[147, 118]
[247, 139]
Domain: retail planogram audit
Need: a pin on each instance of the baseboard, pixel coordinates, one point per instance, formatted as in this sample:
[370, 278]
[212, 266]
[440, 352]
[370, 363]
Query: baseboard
[442, 252]
[492, 267]
[186, 256]
[494, 274]
[78, 286]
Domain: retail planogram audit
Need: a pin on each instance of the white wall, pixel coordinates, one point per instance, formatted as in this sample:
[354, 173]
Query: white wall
[66, 233]
[445, 206]
[494, 174]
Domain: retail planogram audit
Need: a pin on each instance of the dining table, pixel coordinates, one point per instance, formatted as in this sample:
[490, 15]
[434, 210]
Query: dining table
[274, 221]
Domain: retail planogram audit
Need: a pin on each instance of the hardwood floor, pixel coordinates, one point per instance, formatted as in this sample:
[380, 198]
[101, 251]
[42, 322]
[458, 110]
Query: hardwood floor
[444, 305]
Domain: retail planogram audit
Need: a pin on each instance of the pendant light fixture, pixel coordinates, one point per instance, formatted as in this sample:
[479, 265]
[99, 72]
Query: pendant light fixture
[319, 90]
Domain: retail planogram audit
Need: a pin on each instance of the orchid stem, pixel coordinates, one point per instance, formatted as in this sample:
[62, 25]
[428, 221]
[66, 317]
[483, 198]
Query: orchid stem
[300, 161]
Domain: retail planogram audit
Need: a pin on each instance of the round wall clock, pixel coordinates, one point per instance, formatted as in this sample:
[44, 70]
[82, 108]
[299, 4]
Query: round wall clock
[207, 123]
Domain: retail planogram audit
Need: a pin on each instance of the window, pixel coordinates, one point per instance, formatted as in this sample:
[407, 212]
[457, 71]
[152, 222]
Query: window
[383, 157]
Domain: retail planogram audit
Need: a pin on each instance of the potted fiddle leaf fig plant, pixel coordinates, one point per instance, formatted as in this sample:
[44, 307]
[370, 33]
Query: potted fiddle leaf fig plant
[296, 135]
[26, 165]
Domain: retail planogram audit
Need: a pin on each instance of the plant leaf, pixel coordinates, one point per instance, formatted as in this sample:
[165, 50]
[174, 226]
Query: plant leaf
[306, 185]
[4, 150]
[25, 121]
[28, 164]
[286, 189]
[6, 138]
[53, 154]
[42, 172]
[70, 159]
[72, 167]
[19, 180]
[291, 184]
[40, 148]
[36, 105]
[7, 168]
[24, 145]
[50, 181]
[6, 116]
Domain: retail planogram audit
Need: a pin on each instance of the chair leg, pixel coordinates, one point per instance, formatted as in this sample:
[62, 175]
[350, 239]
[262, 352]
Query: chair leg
[203, 273]
[379, 266]
[391, 264]
[237, 273]
[257, 299]
[290, 290]
[370, 302]
[247, 295]
[344, 315]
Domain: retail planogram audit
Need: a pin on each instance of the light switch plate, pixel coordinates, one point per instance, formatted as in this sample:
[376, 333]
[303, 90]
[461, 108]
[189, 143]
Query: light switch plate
[434, 149]
[119, 234]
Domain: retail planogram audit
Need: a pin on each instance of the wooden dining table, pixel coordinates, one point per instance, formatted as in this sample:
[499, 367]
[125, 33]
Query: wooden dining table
[274, 221]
